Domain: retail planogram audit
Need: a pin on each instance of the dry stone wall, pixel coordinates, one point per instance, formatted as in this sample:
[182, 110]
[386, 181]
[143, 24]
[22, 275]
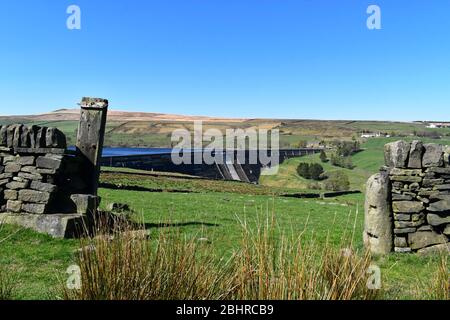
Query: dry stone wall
[412, 213]
[37, 175]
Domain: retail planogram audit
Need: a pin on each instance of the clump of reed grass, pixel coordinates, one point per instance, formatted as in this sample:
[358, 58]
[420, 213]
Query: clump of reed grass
[124, 265]
[273, 266]
[7, 284]
[440, 283]
[7, 279]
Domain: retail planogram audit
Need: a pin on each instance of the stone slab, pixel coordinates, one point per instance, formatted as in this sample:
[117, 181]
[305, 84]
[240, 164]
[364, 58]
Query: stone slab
[56, 225]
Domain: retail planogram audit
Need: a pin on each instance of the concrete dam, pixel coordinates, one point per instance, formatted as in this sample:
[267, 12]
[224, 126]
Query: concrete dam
[236, 164]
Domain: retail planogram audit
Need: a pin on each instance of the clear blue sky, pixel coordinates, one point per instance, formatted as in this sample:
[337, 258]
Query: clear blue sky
[238, 58]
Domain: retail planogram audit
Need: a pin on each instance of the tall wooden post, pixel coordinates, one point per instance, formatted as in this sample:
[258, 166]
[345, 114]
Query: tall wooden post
[91, 133]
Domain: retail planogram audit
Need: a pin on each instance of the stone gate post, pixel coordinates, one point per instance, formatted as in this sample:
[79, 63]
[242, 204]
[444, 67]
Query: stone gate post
[91, 132]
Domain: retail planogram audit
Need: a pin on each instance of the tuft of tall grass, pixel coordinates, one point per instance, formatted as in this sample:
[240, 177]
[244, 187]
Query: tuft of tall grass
[268, 265]
[7, 284]
[272, 266]
[7, 279]
[124, 265]
[440, 286]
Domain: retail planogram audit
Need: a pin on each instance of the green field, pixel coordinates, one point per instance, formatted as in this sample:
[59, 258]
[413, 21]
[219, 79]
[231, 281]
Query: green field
[210, 210]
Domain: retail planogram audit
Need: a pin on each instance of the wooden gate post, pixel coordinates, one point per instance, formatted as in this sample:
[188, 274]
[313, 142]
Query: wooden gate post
[91, 133]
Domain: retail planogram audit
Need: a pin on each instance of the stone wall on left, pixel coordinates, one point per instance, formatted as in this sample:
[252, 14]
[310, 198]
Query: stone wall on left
[37, 175]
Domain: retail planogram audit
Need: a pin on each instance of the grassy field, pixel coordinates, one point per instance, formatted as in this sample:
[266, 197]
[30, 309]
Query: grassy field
[210, 211]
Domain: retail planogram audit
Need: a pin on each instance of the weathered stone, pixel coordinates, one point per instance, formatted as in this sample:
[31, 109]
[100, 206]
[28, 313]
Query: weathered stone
[428, 193]
[34, 196]
[25, 137]
[4, 182]
[436, 249]
[20, 179]
[402, 217]
[419, 240]
[17, 135]
[402, 250]
[9, 159]
[32, 131]
[414, 186]
[41, 136]
[425, 228]
[424, 200]
[40, 186]
[48, 163]
[53, 151]
[34, 208]
[405, 172]
[432, 182]
[29, 176]
[3, 136]
[446, 155]
[378, 218]
[410, 179]
[29, 169]
[15, 185]
[418, 217]
[401, 197]
[26, 161]
[397, 185]
[400, 242]
[407, 206]
[46, 171]
[415, 155]
[442, 187]
[440, 206]
[85, 203]
[55, 138]
[404, 230]
[56, 225]
[10, 194]
[447, 230]
[436, 220]
[408, 224]
[10, 135]
[12, 167]
[396, 154]
[6, 176]
[13, 206]
[433, 155]
[438, 170]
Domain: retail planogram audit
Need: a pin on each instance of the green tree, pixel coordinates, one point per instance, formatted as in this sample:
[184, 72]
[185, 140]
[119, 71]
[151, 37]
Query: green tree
[337, 181]
[315, 171]
[323, 156]
[303, 170]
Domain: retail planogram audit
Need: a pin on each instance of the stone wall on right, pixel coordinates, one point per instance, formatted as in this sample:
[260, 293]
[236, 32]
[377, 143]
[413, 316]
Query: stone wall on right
[418, 184]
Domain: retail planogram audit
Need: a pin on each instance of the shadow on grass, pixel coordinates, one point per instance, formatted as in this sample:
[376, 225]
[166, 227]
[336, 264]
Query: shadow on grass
[138, 188]
[179, 224]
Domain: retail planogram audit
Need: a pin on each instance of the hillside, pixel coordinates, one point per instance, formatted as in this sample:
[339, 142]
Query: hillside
[141, 129]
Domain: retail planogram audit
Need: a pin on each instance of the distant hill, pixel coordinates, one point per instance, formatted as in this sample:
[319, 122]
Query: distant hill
[145, 129]
[118, 116]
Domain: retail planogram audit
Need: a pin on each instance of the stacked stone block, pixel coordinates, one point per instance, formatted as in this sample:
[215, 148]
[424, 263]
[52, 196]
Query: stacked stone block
[418, 200]
[31, 163]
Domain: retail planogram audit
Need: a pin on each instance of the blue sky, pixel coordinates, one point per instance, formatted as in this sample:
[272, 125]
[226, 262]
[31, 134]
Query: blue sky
[235, 58]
